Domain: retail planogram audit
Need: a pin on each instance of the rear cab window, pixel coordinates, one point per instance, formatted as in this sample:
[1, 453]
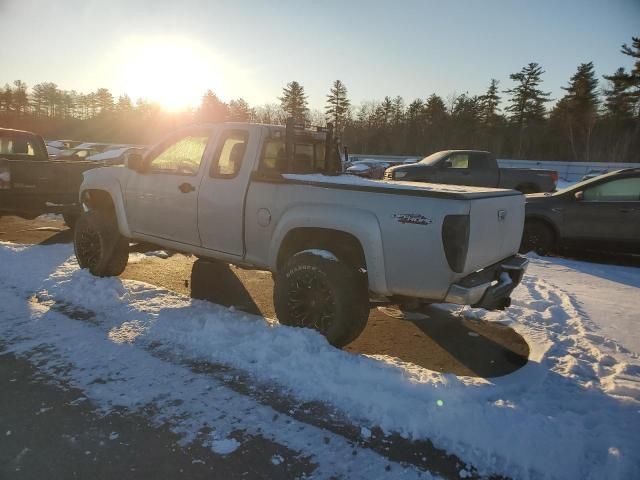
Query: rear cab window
[308, 156]
[17, 146]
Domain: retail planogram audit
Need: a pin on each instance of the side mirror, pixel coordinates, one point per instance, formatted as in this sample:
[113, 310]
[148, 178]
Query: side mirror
[135, 161]
[447, 163]
[579, 195]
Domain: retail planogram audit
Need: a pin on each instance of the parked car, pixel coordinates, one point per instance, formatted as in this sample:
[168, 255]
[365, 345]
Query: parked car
[476, 168]
[31, 184]
[601, 213]
[274, 198]
[373, 168]
[77, 153]
[115, 156]
[368, 168]
[62, 144]
[97, 147]
[594, 173]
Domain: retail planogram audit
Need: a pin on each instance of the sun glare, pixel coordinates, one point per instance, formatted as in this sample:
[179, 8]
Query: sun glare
[171, 71]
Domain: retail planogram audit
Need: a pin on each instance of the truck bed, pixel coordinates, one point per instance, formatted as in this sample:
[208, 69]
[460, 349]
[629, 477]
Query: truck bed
[352, 182]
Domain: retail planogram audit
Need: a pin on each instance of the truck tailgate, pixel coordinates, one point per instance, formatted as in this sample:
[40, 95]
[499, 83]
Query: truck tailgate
[495, 230]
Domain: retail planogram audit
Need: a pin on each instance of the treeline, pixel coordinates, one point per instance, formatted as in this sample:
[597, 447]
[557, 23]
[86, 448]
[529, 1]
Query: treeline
[589, 122]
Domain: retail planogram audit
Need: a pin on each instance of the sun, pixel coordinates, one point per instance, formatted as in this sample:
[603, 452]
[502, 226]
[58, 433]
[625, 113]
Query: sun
[173, 71]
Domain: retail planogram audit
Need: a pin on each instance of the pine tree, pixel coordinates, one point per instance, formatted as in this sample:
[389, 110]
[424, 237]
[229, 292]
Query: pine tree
[627, 85]
[212, 109]
[579, 108]
[489, 103]
[294, 101]
[239, 110]
[527, 100]
[20, 99]
[104, 100]
[337, 106]
[124, 104]
[6, 98]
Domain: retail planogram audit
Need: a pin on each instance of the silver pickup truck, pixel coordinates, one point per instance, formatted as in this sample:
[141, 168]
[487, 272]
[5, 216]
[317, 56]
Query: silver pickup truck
[273, 198]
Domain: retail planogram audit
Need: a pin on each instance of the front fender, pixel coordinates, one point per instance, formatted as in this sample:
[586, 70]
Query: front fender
[362, 224]
[103, 179]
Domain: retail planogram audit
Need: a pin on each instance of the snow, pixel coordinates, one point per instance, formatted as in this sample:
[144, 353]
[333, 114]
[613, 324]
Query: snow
[327, 255]
[277, 459]
[572, 412]
[224, 446]
[562, 184]
[368, 182]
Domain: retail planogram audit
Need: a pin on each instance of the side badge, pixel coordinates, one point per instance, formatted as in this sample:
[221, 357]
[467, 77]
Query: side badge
[412, 218]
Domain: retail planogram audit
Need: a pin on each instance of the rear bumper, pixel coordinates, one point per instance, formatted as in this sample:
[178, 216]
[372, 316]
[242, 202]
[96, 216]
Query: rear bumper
[490, 287]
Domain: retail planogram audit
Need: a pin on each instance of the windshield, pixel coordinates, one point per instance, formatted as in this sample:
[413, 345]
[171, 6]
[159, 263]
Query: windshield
[433, 158]
[581, 185]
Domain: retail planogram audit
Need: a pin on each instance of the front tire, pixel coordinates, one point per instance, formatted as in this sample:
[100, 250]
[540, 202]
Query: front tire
[327, 295]
[537, 237]
[99, 246]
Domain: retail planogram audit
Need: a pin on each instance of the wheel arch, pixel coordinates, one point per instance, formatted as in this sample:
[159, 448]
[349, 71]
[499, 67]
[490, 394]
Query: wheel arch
[107, 199]
[353, 236]
[546, 221]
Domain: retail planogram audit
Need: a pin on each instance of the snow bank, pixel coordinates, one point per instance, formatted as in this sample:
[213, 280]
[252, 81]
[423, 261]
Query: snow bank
[571, 412]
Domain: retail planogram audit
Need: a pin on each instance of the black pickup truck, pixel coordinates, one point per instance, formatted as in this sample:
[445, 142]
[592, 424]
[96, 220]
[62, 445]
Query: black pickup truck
[31, 184]
[476, 168]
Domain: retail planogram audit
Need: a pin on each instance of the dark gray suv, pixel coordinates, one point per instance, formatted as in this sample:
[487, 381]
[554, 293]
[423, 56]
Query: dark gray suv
[600, 213]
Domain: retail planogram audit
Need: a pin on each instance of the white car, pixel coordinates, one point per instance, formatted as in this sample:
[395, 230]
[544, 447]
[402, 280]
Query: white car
[273, 198]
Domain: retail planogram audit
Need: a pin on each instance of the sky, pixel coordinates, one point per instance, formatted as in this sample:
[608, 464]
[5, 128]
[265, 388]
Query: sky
[173, 51]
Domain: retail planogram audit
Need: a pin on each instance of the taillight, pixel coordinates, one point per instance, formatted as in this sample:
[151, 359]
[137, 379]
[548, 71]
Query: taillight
[5, 177]
[554, 176]
[455, 240]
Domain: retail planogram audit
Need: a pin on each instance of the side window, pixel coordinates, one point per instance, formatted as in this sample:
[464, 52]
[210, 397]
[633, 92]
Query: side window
[459, 160]
[233, 144]
[622, 190]
[182, 157]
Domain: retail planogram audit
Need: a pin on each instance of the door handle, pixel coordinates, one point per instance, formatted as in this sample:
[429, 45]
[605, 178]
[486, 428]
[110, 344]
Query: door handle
[186, 187]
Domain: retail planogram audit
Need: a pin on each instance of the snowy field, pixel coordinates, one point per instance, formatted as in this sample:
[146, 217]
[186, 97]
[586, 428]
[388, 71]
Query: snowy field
[572, 412]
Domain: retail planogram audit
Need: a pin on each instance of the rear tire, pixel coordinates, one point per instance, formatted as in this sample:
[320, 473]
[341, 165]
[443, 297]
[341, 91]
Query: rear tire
[99, 246]
[327, 295]
[538, 237]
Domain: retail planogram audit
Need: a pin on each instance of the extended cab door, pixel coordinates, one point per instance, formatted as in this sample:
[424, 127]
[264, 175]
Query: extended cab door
[222, 192]
[162, 200]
